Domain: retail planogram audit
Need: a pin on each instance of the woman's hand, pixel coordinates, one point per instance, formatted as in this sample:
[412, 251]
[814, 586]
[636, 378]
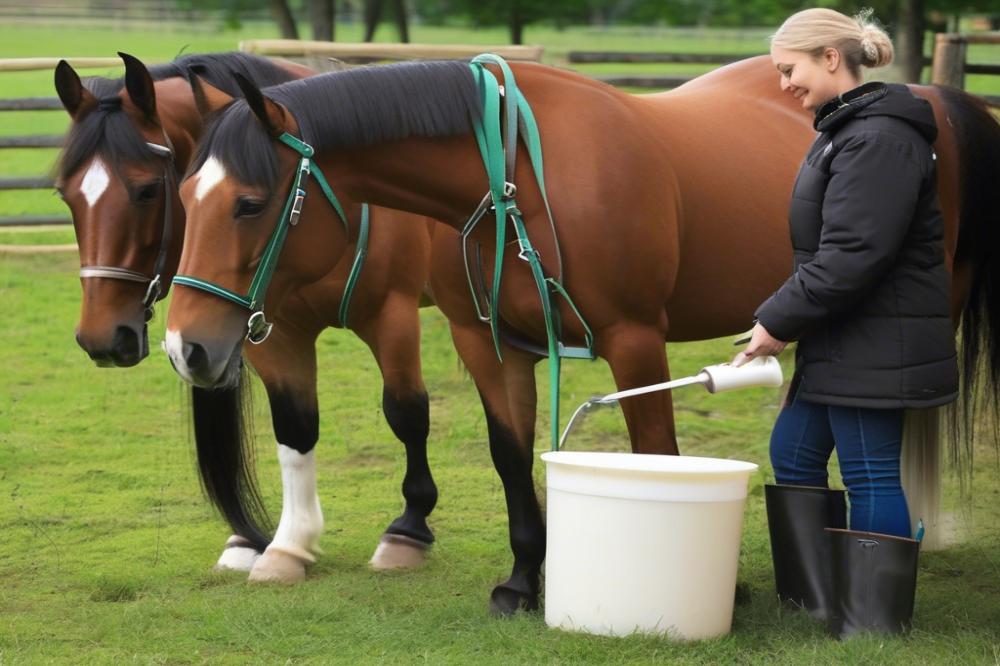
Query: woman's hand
[761, 343]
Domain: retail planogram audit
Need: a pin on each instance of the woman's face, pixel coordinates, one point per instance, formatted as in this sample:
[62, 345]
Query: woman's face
[811, 80]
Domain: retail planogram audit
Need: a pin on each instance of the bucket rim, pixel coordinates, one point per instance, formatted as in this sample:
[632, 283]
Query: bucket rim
[649, 462]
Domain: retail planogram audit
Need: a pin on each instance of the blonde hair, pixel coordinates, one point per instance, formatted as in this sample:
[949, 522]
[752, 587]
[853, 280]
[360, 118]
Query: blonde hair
[860, 39]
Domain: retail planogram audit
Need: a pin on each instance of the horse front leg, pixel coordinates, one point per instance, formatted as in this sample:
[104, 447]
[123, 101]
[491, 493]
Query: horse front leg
[508, 394]
[637, 357]
[286, 364]
[394, 338]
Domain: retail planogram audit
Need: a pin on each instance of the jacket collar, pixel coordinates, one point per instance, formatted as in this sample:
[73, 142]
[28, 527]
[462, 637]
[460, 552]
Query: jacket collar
[838, 110]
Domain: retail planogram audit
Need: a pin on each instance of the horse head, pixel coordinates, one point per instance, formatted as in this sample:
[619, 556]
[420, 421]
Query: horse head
[117, 174]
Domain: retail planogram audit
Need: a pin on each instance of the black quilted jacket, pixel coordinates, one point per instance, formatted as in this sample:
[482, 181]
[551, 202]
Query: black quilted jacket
[868, 300]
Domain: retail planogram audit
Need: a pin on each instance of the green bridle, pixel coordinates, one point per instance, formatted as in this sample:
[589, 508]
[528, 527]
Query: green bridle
[258, 328]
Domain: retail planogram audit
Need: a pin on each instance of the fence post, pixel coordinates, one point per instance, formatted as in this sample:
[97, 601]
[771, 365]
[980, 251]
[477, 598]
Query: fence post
[949, 60]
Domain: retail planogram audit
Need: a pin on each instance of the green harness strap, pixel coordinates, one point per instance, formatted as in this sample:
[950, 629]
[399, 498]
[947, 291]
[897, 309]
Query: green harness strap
[498, 153]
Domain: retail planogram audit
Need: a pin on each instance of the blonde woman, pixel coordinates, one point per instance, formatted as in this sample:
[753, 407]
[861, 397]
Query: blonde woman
[868, 304]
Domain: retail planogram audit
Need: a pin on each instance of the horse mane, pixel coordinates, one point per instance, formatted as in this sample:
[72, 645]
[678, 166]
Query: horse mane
[357, 107]
[109, 133]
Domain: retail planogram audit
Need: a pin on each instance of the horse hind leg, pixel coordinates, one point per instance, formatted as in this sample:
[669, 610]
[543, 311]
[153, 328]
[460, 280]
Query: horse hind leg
[394, 338]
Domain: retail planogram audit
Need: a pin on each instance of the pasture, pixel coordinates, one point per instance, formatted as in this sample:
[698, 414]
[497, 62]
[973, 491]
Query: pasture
[108, 545]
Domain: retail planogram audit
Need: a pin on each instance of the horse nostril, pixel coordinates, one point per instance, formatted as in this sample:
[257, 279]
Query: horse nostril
[195, 356]
[125, 345]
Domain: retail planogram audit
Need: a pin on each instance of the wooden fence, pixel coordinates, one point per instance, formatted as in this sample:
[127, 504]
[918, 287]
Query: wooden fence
[950, 60]
[40, 140]
[949, 67]
[651, 81]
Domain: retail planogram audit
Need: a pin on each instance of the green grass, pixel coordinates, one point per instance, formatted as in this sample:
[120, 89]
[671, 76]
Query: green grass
[108, 545]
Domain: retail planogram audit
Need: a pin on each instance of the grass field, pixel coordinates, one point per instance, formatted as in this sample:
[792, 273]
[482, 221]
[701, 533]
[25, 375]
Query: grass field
[107, 543]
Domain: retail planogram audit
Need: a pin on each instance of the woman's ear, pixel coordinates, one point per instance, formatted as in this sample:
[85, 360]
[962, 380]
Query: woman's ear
[831, 58]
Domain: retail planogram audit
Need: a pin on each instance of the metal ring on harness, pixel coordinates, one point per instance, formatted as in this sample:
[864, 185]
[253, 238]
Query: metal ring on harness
[258, 328]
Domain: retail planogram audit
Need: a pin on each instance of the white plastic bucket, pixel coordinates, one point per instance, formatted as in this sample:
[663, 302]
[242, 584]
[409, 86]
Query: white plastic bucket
[643, 543]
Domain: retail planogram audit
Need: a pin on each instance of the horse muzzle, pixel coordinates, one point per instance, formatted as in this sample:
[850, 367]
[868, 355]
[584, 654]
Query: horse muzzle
[201, 364]
[126, 348]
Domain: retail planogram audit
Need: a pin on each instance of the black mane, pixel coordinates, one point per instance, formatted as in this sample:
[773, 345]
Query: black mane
[356, 107]
[109, 133]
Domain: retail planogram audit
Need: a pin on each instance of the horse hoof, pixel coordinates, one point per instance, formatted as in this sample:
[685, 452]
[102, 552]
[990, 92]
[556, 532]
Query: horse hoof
[278, 566]
[239, 555]
[506, 601]
[396, 551]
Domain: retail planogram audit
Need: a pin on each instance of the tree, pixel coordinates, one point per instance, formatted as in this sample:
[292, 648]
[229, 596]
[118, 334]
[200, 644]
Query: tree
[373, 11]
[283, 16]
[910, 26]
[322, 17]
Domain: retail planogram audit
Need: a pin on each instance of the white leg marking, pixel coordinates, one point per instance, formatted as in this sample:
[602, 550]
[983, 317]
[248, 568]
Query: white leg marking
[236, 558]
[209, 175]
[296, 542]
[301, 517]
[95, 182]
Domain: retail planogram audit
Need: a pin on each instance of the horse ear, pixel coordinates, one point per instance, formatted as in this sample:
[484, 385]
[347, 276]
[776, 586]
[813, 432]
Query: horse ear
[207, 97]
[139, 85]
[270, 113]
[77, 100]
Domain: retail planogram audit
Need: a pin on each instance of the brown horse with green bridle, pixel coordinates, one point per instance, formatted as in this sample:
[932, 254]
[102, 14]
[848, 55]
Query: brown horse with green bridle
[668, 223]
[130, 141]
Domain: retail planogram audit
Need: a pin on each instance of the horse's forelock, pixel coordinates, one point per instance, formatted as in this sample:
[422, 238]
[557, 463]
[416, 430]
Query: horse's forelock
[107, 133]
[236, 139]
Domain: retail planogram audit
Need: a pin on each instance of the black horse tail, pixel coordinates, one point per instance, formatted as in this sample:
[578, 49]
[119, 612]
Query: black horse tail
[223, 438]
[978, 136]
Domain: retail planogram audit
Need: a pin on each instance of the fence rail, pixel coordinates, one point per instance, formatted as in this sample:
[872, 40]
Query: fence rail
[949, 67]
[363, 52]
[582, 57]
[32, 141]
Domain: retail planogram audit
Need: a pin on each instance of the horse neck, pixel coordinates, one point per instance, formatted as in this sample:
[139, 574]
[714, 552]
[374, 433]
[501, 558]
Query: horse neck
[441, 178]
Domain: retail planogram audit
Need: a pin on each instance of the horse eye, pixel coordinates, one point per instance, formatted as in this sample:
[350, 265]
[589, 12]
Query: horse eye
[246, 207]
[146, 193]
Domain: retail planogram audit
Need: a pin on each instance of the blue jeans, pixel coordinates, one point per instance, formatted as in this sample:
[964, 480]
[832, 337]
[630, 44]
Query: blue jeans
[868, 443]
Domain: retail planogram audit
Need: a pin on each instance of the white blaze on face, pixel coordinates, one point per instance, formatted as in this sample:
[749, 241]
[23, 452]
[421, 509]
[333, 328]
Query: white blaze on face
[95, 182]
[209, 175]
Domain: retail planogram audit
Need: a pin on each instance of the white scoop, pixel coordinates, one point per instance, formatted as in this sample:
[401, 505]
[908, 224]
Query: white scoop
[761, 371]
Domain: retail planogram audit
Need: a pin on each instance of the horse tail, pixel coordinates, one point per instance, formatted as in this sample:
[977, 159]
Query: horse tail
[977, 133]
[224, 442]
[921, 471]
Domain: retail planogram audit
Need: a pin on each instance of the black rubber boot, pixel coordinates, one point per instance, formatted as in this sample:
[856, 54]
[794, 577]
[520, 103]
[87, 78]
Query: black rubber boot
[874, 582]
[800, 549]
